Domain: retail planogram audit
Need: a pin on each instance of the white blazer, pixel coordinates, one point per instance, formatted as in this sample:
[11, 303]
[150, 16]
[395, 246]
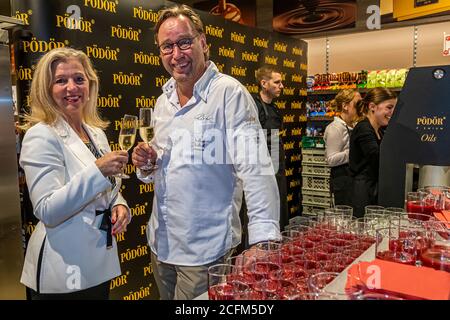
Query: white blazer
[66, 188]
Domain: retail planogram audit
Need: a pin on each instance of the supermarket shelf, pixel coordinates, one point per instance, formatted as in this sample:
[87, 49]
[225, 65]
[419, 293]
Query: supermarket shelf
[320, 118]
[361, 90]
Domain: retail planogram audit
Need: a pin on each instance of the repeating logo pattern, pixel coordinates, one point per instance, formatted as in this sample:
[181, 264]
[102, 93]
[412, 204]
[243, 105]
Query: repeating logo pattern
[118, 37]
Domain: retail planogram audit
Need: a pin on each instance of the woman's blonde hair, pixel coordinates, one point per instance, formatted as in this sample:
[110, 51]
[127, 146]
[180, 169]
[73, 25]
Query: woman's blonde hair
[43, 106]
[343, 97]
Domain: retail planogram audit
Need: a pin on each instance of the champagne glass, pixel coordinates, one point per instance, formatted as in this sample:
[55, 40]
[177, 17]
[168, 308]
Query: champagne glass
[146, 130]
[127, 137]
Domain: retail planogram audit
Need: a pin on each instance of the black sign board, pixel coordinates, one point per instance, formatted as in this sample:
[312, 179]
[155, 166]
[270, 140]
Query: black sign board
[418, 132]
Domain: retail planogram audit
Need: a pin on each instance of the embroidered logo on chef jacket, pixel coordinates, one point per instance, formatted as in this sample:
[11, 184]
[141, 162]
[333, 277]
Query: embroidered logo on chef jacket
[202, 132]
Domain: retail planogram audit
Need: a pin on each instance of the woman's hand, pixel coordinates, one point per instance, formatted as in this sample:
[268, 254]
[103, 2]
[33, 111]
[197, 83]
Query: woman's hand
[119, 218]
[112, 163]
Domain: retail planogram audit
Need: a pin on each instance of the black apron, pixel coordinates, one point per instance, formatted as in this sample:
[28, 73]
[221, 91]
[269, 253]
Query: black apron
[365, 192]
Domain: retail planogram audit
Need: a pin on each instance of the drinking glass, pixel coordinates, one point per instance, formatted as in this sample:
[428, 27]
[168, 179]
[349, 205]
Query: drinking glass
[220, 286]
[146, 130]
[441, 196]
[127, 136]
[347, 211]
[402, 245]
[243, 264]
[421, 202]
[374, 209]
[393, 211]
[320, 284]
[437, 255]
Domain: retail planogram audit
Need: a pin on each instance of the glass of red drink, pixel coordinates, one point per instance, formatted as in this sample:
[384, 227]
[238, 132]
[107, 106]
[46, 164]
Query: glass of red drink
[420, 202]
[220, 282]
[402, 245]
[436, 257]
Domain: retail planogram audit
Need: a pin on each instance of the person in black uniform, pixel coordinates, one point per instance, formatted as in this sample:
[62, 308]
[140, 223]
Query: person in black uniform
[269, 81]
[376, 110]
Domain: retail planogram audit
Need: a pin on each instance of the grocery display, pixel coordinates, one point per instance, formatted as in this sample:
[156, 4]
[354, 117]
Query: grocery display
[392, 78]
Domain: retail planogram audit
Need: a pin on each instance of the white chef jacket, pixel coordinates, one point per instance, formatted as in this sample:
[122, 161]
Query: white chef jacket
[203, 168]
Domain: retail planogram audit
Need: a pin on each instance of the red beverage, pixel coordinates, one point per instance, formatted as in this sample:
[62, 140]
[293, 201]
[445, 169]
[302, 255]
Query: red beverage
[327, 247]
[286, 289]
[266, 288]
[328, 233]
[286, 258]
[399, 257]
[262, 269]
[354, 253]
[309, 266]
[419, 207]
[301, 285]
[340, 243]
[308, 244]
[248, 277]
[222, 291]
[321, 255]
[437, 258]
[346, 236]
[290, 271]
[329, 266]
[296, 250]
[396, 245]
[314, 237]
[365, 243]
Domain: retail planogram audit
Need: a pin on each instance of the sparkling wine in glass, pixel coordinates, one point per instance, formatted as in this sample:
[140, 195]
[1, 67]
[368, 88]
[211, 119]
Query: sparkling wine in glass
[127, 136]
[146, 130]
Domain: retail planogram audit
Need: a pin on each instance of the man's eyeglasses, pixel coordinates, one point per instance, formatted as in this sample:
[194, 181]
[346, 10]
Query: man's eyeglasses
[182, 44]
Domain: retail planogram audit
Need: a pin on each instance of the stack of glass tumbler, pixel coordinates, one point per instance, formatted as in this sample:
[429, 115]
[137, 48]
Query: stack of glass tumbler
[314, 250]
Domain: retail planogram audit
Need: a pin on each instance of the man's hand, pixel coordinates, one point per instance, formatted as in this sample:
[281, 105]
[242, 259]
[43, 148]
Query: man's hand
[143, 155]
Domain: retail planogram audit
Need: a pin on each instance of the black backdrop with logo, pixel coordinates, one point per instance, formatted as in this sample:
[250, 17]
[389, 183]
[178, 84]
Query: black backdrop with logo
[118, 37]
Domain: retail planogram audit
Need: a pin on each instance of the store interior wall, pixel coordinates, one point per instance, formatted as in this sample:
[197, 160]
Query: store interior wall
[377, 50]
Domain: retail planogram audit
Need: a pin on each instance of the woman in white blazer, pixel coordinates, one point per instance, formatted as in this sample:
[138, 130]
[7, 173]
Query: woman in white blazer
[69, 169]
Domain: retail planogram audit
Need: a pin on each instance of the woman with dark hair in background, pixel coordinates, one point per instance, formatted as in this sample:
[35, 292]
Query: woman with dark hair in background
[376, 108]
[337, 144]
